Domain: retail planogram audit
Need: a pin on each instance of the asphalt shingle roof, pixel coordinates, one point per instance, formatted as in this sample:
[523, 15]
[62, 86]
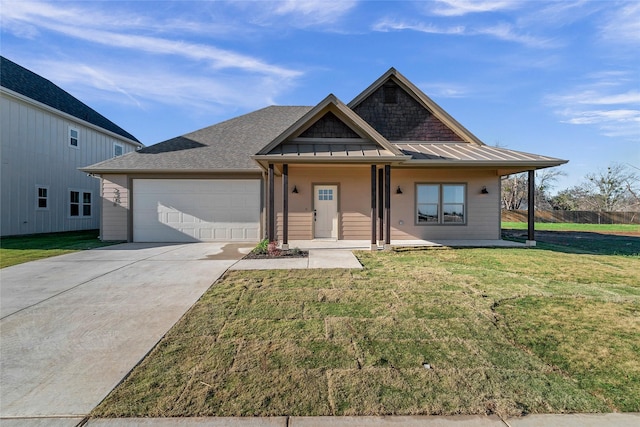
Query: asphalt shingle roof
[18, 79]
[224, 146]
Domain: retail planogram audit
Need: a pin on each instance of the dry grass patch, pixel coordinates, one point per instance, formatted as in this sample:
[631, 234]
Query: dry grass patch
[502, 331]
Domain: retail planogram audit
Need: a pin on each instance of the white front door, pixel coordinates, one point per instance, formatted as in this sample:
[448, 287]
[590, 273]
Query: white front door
[325, 211]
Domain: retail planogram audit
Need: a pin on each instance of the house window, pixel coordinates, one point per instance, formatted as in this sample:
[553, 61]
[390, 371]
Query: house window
[79, 203]
[74, 135]
[42, 198]
[440, 204]
[118, 150]
[325, 194]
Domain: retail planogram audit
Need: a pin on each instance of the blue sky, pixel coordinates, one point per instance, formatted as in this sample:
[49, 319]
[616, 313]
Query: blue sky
[559, 78]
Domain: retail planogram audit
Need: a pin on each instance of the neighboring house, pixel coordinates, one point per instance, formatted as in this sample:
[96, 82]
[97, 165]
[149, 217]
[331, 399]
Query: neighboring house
[391, 164]
[46, 135]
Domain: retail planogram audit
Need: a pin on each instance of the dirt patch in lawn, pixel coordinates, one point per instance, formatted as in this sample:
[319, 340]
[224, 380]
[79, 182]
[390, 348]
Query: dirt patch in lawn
[610, 243]
[279, 253]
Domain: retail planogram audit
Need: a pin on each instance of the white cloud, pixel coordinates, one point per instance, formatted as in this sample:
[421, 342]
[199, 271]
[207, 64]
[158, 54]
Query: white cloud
[314, 12]
[623, 25]
[163, 85]
[55, 19]
[394, 25]
[501, 31]
[592, 97]
[445, 90]
[215, 75]
[463, 7]
[584, 105]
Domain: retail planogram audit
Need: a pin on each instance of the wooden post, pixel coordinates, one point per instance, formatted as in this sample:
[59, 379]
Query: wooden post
[285, 206]
[380, 206]
[387, 206]
[374, 245]
[270, 216]
[531, 217]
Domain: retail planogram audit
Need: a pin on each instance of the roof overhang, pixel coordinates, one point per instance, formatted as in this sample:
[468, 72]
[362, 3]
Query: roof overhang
[332, 104]
[106, 171]
[395, 76]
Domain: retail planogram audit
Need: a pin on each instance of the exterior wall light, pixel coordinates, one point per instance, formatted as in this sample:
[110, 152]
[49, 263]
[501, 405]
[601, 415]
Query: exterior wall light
[295, 190]
[398, 191]
[484, 190]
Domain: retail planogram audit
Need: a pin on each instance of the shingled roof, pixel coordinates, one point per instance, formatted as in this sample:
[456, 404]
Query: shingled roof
[225, 147]
[27, 83]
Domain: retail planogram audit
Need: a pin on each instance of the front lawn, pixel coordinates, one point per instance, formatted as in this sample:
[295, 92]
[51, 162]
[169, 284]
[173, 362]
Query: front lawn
[466, 331]
[20, 249]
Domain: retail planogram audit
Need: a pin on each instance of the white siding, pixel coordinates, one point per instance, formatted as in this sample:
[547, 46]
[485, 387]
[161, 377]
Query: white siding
[34, 150]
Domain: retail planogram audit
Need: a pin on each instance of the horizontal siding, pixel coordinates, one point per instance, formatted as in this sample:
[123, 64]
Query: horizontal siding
[300, 226]
[355, 226]
[115, 208]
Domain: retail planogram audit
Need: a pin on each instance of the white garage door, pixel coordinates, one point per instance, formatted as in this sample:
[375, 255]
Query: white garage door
[187, 210]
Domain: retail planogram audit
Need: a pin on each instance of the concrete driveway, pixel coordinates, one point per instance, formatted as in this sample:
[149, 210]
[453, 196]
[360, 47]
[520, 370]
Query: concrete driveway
[73, 326]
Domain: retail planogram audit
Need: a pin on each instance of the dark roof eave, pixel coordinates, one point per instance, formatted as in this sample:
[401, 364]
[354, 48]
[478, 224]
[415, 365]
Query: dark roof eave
[329, 159]
[102, 171]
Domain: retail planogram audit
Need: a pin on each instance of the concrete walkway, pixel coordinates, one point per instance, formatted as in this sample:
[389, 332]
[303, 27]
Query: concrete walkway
[318, 258]
[74, 325]
[536, 420]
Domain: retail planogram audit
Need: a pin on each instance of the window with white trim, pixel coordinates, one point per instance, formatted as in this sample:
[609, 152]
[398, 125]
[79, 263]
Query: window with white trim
[42, 197]
[118, 150]
[74, 137]
[79, 204]
[441, 204]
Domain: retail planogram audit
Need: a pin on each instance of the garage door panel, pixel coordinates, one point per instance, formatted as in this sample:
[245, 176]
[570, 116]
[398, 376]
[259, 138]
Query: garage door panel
[196, 210]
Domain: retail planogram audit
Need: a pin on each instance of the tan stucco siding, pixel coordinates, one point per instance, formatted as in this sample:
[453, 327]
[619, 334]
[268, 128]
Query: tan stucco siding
[115, 208]
[482, 210]
[354, 206]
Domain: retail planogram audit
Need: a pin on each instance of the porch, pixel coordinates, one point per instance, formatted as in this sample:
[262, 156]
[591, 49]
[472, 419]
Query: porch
[366, 245]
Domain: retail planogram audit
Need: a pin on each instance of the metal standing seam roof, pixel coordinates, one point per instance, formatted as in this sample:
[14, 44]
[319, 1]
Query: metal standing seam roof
[466, 152]
[27, 83]
[346, 150]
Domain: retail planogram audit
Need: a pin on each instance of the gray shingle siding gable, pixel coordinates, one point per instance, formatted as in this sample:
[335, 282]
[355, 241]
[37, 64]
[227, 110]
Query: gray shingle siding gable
[225, 146]
[27, 83]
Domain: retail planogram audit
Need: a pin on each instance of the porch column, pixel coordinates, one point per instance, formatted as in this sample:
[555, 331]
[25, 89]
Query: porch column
[531, 214]
[380, 206]
[374, 245]
[387, 206]
[271, 234]
[285, 206]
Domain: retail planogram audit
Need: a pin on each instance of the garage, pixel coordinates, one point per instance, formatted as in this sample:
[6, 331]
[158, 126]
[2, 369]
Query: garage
[191, 210]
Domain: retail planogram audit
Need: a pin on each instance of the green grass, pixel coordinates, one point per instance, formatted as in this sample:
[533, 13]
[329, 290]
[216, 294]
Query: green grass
[20, 249]
[593, 228]
[507, 331]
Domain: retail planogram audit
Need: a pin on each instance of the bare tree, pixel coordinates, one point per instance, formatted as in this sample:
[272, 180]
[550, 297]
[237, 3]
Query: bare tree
[515, 189]
[612, 189]
[615, 189]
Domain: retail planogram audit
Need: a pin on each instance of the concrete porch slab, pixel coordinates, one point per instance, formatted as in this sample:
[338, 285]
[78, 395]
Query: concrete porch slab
[366, 244]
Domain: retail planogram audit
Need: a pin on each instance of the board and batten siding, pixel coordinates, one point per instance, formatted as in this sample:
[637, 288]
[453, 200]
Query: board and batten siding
[35, 152]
